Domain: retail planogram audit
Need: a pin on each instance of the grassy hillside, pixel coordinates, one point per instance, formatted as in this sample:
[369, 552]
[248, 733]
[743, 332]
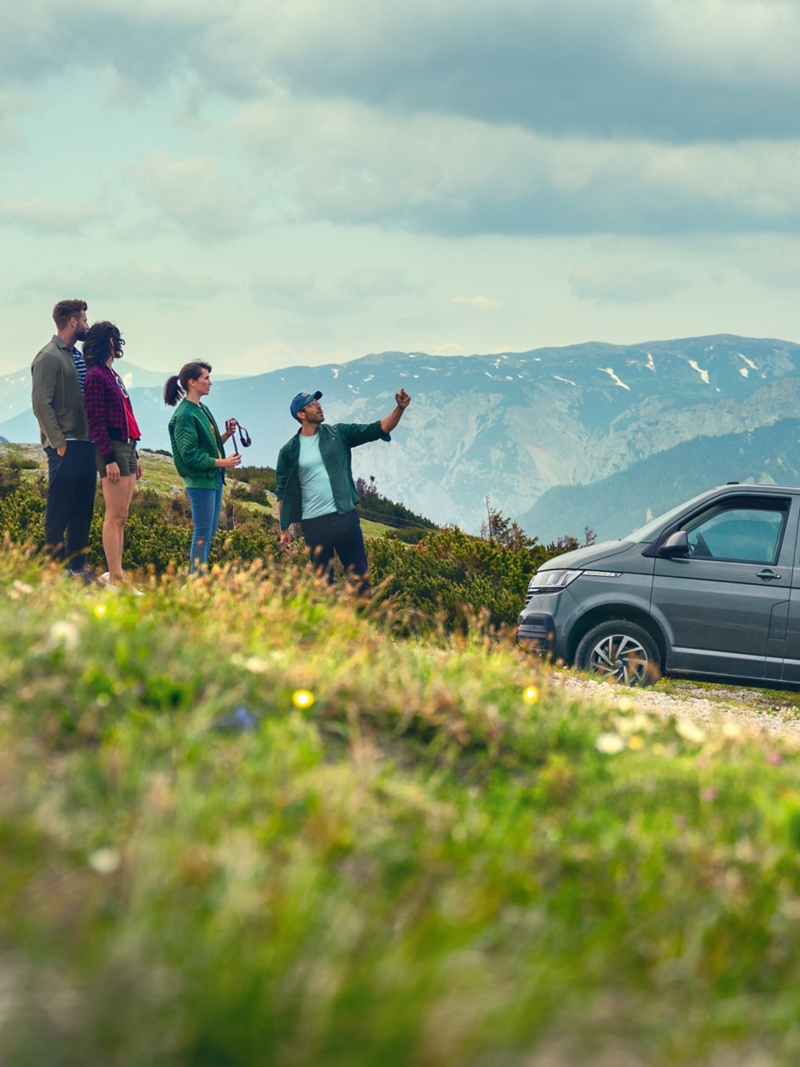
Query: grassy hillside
[412, 857]
[618, 504]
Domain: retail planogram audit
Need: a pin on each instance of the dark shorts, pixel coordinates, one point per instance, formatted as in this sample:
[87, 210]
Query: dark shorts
[125, 456]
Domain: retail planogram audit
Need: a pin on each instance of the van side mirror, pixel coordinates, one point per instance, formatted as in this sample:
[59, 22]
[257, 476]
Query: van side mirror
[676, 545]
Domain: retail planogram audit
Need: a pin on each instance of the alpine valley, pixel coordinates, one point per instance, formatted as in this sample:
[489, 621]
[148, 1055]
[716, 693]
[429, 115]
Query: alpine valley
[593, 435]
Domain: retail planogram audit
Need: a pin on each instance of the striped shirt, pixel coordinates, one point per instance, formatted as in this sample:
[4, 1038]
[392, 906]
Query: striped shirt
[80, 366]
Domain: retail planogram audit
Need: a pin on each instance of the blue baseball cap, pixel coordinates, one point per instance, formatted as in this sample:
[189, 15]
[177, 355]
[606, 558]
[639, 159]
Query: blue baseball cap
[300, 401]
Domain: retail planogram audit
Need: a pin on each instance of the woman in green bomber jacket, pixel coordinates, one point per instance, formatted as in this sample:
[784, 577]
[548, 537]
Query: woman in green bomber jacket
[199, 453]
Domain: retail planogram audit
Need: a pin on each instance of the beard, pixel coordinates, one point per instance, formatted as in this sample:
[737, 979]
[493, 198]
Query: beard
[81, 335]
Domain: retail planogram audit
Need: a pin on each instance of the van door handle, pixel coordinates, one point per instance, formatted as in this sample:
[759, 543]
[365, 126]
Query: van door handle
[767, 575]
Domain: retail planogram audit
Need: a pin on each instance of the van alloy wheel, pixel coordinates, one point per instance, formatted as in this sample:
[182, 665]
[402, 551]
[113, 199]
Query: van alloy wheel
[619, 651]
[619, 658]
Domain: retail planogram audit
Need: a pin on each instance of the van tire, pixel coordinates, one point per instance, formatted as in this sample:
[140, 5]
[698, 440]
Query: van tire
[599, 652]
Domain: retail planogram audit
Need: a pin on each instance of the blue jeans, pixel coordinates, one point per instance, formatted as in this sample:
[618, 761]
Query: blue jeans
[206, 506]
[342, 534]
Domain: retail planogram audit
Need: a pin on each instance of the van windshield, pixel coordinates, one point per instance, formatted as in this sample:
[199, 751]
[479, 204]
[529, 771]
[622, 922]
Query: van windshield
[650, 529]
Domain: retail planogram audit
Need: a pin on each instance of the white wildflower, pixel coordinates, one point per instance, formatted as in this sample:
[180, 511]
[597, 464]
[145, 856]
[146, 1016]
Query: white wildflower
[105, 860]
[65, 633]
[610, 744]
[256, 665]
[690, 732]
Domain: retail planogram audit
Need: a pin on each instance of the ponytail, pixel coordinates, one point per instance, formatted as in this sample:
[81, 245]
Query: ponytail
[172, 391]
[177, 386]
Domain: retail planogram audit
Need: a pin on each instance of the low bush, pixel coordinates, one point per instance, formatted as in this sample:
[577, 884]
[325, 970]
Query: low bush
[158, 532]
[441, 580]
[259, 479]
[448, 571]
[408, 535]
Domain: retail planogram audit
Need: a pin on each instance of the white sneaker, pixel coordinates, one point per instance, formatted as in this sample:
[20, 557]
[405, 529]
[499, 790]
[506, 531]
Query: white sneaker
[105, 581]
[127, 587]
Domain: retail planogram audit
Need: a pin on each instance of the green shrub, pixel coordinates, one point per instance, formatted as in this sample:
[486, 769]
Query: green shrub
[445, 575]
[158, 532]
[10, 479]
[408, 535]
[449, 571]
[259, 478]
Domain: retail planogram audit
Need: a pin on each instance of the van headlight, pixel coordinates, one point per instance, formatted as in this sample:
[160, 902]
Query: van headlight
[551, 581]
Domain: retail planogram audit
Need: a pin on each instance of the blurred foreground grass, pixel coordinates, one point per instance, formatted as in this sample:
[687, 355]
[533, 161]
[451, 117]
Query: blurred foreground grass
[426, 862]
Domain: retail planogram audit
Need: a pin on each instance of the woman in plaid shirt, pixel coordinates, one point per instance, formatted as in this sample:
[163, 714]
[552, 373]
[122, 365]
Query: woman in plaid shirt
[115, 433]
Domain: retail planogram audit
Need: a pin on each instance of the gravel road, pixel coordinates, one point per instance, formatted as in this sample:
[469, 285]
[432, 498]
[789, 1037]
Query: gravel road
[758, 711]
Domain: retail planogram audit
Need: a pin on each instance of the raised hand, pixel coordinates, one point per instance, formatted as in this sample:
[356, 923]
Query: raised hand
[402, 399]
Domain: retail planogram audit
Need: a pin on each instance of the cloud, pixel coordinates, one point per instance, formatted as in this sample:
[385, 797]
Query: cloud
[195, 196]
[482, 302]
[772, 260]
[148, 41]
[265, 358]
[523, 117]
[281, 286]
[351, 164]
[38, 216]
[610, 281]
[11, 136]
[680, 71]
[304, 293]
[137, 281]
[377, 283]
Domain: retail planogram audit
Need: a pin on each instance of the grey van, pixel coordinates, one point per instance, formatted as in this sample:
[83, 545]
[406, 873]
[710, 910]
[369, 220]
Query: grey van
[711, 588]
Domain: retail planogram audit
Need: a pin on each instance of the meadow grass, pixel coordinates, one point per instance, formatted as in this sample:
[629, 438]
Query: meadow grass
[423, 852]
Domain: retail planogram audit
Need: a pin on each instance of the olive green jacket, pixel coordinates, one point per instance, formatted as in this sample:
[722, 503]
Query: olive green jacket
[335, 445]
[56, 397]
[196, 444]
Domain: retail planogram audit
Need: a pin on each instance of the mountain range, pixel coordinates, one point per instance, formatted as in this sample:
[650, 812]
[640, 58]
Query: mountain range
[516, 426]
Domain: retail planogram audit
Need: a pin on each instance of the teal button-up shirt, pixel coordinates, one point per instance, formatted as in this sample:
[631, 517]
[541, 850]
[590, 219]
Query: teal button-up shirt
[335, 446]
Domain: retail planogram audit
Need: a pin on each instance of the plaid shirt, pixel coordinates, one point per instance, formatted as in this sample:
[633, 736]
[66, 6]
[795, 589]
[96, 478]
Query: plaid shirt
[105, 410]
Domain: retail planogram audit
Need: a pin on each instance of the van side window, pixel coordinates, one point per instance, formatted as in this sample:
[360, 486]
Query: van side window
[735, 532]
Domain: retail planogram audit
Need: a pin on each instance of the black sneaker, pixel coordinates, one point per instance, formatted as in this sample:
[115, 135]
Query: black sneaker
[86, 575]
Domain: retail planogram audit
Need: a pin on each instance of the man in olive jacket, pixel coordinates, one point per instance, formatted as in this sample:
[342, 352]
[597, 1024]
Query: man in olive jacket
[315, 484]
[58, 372]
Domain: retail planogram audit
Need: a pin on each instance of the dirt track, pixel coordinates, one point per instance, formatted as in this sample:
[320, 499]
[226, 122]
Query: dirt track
[753, 710]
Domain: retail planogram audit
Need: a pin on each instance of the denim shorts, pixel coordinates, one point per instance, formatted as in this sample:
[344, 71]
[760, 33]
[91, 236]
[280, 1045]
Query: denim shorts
[124, 456]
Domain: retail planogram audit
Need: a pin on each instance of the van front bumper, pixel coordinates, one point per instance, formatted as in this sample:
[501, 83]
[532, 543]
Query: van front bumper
[537, 632]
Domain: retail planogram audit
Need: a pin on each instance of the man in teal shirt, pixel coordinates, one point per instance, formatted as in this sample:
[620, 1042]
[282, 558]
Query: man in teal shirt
[315, 484]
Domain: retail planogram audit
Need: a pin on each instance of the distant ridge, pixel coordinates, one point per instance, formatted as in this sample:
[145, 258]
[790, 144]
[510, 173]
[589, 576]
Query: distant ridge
[512, 426]
[618, 504]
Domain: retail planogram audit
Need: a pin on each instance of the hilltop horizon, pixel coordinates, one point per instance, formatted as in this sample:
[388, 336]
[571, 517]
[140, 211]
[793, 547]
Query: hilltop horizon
[508, 425]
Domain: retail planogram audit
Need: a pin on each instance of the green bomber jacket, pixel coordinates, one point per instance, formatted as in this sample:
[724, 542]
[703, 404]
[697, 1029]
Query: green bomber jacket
[196, 443]
[335, 445]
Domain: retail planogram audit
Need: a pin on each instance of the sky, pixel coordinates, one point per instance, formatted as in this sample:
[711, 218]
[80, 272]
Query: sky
[264, 183]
